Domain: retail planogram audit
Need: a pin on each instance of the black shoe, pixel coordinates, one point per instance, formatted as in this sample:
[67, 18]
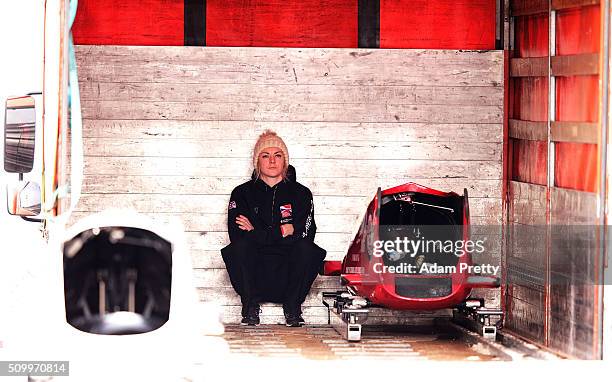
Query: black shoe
[294, 319]
[244, 312]
[252, 318]
[301, 320]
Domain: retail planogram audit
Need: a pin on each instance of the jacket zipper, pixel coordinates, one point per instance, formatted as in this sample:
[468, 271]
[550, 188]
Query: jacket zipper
[273, 199]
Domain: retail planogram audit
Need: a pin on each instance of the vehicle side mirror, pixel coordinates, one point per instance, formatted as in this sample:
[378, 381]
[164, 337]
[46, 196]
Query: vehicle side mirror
[23, 198]
[19, 133]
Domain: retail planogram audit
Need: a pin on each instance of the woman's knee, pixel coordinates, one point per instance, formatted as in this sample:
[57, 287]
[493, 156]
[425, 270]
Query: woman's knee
[240, 251]
[308, 249]
[301, 247]
[240, 246]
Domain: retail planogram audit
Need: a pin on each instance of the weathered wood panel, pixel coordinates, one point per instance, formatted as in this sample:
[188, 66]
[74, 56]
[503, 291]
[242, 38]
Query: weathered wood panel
[210, 259]
[169, 133]
[185, 185]
[294, 131]
[575, 265]
[290, 112]
[220, 148]
[526, 240]
[575, 259]
[260, 59]
[229, 296]
[528, 7]
[218, 278]
[530, 101]
[273, 314]
[524, 318]
[526, 260]
[529, 67]
[217, 222]
[527, 203]
[529, 161]
[575, 64]
[564, 4]
[201, 241]
[527, 130]
[217, 204]
[576, 132]
[327, 73]
[357, 168]
[315, 94]
[552, 292]
[267, 66]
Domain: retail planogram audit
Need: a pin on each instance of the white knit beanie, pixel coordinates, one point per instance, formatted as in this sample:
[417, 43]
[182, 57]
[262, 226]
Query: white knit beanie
[269, 139]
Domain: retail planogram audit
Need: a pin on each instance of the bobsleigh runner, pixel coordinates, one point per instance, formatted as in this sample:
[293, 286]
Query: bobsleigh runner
[412, 251]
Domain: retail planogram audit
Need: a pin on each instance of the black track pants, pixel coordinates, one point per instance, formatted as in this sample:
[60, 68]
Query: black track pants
[281, 274]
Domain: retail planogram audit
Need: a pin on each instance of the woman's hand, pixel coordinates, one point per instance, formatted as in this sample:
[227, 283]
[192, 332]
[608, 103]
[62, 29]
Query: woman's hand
[244, 223]
[287, 229]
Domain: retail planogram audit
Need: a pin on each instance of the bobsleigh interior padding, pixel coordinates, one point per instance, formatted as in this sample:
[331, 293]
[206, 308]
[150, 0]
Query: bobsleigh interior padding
[117, 280]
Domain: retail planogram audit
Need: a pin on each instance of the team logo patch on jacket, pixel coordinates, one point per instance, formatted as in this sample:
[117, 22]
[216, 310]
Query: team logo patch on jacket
[232, 205]
[285, 211]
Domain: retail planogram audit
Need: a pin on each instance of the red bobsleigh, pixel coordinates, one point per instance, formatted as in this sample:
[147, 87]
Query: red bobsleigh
[412, 251]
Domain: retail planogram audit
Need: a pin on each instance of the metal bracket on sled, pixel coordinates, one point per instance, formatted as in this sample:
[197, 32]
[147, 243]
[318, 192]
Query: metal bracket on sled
[351, 310]
[486, 321]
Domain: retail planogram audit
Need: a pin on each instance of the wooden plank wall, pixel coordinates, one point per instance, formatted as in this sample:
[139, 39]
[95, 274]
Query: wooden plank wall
[169, 131]
[575, 265]
[525, 260]
[574, 301]
[553, 298]
[525, 299]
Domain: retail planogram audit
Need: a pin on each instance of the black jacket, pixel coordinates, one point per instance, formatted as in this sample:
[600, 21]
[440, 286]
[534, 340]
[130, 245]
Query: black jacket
[267, 208]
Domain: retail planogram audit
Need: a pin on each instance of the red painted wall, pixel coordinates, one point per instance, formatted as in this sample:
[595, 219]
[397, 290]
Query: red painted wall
[431, 24]
[530, 100]
[129, 22]
[576, 166]
[531, 38]
[282, 23]
[437, 24]
[577, 98]
[578, 30]
[529, 161]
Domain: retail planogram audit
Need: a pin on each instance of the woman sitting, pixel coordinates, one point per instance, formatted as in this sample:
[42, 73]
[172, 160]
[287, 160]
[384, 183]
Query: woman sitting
[272, 256]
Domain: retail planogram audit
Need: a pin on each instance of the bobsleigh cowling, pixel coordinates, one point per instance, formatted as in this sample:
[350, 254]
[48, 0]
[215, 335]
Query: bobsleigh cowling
[378, 269]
